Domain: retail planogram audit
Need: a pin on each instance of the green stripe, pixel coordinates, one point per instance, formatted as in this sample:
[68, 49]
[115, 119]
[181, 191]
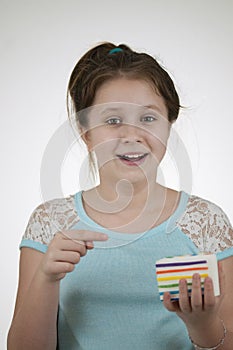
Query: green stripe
[174, 285]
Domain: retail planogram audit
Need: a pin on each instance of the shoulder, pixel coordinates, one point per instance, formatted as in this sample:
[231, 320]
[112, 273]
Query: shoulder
[206, 224]
[49, 217]
[206, 210]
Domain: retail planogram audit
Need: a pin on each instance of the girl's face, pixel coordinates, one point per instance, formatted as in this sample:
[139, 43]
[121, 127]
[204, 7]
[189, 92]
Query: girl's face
[128, 129]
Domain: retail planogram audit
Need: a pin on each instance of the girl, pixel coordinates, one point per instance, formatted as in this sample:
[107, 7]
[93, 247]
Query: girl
[87, 266]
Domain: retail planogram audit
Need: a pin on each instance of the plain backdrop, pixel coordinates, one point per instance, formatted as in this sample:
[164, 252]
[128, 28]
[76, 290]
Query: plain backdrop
[40, 44]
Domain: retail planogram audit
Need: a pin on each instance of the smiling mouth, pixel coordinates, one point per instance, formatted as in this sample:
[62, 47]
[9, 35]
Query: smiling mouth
[133, 158]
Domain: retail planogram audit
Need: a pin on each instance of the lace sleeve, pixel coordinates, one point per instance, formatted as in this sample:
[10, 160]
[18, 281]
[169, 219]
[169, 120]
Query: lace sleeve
[207, 225]
[50, 217]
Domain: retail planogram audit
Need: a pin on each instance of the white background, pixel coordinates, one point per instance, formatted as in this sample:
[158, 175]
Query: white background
[41, 42]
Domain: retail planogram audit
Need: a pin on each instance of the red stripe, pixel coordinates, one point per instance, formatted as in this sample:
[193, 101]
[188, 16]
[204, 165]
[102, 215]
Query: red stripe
[182, 270]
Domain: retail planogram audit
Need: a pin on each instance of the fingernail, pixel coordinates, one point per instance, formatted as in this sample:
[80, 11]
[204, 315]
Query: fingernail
[166, 296]
[208, 280]
[89, 245]
[196, 277]
[182, 283]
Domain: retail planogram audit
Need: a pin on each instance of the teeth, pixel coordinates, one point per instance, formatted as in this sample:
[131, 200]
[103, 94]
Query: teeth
[133, 156]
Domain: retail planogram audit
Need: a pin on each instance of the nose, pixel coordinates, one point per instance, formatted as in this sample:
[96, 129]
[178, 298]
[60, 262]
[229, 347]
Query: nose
[130, 133]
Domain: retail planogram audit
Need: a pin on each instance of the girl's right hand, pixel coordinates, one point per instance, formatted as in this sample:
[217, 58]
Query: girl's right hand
[65, 251]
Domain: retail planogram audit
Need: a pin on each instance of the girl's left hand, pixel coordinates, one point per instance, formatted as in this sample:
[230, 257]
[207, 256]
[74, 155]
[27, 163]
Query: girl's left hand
[197, 311]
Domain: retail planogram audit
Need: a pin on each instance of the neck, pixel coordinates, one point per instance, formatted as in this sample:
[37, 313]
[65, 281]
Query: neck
[125, 196]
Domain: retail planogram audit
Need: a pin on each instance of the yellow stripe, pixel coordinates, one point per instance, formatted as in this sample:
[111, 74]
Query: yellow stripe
[179, 277]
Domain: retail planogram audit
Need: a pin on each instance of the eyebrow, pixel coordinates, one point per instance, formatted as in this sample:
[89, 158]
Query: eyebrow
[117, 109]
[153, 107]
[111, 109]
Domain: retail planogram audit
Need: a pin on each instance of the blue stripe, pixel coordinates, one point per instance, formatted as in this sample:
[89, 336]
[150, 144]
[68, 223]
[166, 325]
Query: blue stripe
[171, 292]
[177, 291]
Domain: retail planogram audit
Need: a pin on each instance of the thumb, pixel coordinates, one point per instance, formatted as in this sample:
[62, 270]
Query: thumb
[172, 306]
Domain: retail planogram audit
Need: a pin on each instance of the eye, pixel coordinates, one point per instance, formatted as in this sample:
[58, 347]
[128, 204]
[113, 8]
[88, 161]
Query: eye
[113, 121]
[148, 118]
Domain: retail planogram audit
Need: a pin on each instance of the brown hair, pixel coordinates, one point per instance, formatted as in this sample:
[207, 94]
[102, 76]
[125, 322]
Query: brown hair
[99, 65]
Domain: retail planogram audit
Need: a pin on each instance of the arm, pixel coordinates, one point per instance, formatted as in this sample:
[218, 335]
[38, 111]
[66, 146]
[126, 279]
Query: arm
[34, 324]
[34, 321]
[202, 317]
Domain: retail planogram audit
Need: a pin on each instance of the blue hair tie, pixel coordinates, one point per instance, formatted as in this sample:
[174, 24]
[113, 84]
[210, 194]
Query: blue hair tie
[116, 49]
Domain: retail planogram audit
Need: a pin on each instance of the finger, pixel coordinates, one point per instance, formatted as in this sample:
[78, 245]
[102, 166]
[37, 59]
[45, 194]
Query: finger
[222, 279]
[170, 305]
[60, 264]
[184, 300]
[65, 256]
[209, 298]
[89, 245]
[69, 245]
[77, 246]
[84, 235]
[196, 295]
[60, 268]
[70, 257]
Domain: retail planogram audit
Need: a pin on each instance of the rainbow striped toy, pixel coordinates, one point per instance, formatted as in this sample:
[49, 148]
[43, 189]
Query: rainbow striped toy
[170, 270]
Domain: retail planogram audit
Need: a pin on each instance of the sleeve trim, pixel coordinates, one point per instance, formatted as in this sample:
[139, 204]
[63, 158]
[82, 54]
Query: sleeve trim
[28, 243]
[225, 254]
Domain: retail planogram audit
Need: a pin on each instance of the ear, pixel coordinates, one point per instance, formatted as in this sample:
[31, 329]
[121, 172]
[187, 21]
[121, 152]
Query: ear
[86, 138]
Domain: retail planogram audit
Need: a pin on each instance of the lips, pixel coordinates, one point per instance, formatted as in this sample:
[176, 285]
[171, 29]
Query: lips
[133, 159]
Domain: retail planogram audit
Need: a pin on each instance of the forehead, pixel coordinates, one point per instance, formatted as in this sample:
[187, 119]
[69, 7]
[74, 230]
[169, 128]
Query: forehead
[123, 107]
[130, 91]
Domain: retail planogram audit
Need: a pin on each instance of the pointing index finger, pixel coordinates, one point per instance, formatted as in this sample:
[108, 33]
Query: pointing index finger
[85, 235]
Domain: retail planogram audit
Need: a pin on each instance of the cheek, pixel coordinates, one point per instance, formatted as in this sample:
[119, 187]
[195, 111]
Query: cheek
[102, 139]
[98, 142]
[159, 132]
[160, 138]
[105, 149]
[158, 143]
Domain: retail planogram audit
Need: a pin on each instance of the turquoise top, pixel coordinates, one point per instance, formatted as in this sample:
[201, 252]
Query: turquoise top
[111, 300]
